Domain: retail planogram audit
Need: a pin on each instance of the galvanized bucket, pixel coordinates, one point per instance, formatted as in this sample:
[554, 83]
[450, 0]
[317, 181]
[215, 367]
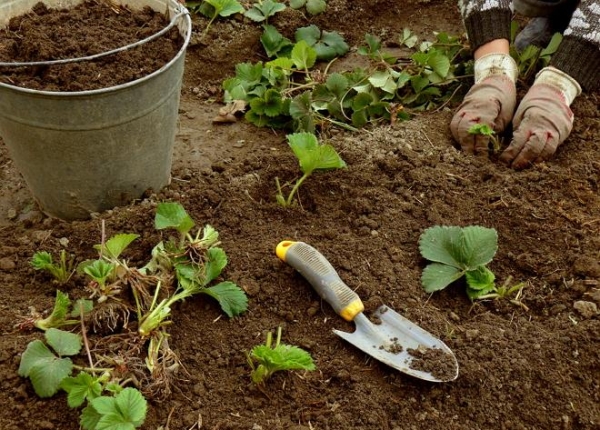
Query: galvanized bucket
[89, 151]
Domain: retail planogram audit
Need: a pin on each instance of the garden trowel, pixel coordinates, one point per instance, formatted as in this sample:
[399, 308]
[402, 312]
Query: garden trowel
[391, 338]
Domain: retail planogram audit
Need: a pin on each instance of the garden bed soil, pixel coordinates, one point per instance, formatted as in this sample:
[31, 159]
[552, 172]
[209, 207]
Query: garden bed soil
[523, 366]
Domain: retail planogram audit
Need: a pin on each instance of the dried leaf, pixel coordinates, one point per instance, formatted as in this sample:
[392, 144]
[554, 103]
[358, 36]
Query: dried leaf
[227, 113]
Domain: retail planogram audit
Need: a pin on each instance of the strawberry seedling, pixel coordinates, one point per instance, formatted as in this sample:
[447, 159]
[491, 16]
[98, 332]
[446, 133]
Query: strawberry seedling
[273, 358]
[61, 270]
[312, 156]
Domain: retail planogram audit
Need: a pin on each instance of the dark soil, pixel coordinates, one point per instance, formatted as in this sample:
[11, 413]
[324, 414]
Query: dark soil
[88, 29]
[526, 365]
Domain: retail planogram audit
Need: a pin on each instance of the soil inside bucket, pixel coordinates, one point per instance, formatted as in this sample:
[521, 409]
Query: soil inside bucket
[90, 28]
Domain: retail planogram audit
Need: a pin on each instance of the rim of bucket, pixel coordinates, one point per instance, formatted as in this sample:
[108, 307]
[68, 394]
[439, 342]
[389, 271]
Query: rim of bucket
[182, 13]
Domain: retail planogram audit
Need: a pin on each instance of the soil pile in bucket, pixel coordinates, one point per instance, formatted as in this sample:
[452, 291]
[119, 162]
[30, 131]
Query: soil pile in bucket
[90, 28]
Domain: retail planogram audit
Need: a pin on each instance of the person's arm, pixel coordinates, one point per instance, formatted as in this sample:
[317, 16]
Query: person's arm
[544, 118]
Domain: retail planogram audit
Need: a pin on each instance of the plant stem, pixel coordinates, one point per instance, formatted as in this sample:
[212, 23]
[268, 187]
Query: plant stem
[296, 187]
[86, 343]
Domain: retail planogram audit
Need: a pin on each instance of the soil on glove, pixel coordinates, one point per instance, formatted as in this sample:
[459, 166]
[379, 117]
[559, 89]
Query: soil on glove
[529, 364]
[92, 27]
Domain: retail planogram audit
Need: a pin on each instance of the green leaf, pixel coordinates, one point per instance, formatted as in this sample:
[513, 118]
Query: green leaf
[85, 304]
[99, 270]
[408, 39]
[232, 298]
[302, 112]
[226, 7]
[132, 405]
[338, 84]
[313, 156]
[215, 263]
[481, 278]
[42, 260]
[270, 104]
[116, 244]
[442, 244]
[249, 73]
[476, 294]
[361, 101]
[419, 83]
[438, 276]
[81, 388]
[297, 4]
[173, 215]
[36, 352]
[327, 45]
[89, 418]
[62, 304]
[273, 41]
[263, 10]
[480, 245]
[63, 342]
[440, 64]
[45, 370]
[484, 129]
[303, 56]
[281, 357]
[384, 80]
[315, 7]
[126, 411]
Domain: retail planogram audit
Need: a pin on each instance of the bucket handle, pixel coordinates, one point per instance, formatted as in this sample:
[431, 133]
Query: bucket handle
[102, 54]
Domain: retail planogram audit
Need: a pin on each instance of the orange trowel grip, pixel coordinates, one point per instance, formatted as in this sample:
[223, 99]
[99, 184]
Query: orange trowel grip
[315, 268]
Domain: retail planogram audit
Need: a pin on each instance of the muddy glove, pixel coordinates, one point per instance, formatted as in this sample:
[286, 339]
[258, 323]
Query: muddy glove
[543, 120]
[490, 101]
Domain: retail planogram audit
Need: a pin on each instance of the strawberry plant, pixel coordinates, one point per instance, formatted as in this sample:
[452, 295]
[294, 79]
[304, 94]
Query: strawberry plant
[311, 156]
[456, 252]
[291, 91]
[49, 371]
[61, 270]
[486, 130]
[465, 251]
[267, 359]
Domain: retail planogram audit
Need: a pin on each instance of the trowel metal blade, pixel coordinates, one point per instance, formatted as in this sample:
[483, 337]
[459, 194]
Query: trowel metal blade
[390, 339]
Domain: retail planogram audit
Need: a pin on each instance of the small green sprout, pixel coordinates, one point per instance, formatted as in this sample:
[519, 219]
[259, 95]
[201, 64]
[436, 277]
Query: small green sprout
[58, 317]
[486, 130]
[273, 358]
[215, 8]
[62, 270]
[312, 156]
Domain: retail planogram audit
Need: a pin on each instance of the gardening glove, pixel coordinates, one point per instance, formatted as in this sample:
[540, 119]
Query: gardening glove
[490, 101]
[543, 120]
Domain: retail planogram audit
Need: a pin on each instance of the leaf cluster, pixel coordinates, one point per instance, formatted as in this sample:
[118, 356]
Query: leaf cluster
[290, 91]
[532, 58]
[60, 270]
[456, 252]
[195, 261]
[49, 366]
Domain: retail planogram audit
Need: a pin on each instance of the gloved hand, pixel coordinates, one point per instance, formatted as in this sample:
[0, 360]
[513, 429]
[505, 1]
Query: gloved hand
[490, 101]
[543, 120]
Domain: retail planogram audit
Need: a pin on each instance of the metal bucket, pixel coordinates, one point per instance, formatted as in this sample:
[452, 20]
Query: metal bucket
[89, 151]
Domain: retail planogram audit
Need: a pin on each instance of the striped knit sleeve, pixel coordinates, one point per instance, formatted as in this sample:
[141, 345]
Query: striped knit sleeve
[579, 53]
[485, 20]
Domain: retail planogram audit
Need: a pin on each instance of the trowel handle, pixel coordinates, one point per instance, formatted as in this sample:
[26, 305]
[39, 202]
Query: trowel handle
[315, 268]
